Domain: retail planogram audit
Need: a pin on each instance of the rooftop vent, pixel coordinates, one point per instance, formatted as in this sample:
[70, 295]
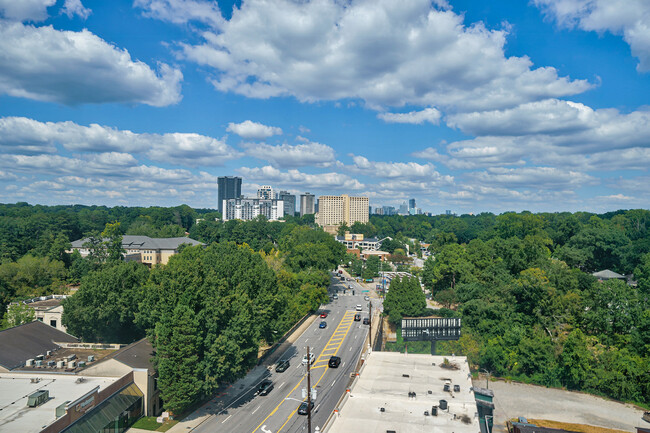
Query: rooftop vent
[382, 409]
[38, 398]
[405, 375]
[34, 380]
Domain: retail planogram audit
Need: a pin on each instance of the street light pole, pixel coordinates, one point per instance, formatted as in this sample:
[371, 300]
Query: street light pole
[487, 380]
[308, 392]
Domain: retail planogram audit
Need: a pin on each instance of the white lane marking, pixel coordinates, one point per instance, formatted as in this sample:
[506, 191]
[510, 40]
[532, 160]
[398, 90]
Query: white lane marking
[226, 419]
[350, 349]
[306, 340]
[281, 385]
[256, 409]
[333, 383]
[264, 429]
[343, 365]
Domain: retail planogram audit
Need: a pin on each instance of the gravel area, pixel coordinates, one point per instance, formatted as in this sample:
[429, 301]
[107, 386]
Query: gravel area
[515, 399]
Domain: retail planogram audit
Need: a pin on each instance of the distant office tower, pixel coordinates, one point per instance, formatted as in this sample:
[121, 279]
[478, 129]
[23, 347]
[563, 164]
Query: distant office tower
[379, 211]
[249, 208]
[228, 187]
[389, 210]
[307, 204]
[369, 210]
[336, 209]
[403, 209]
[266, 192]
[412, 203]
[447, 212]
[289, 202]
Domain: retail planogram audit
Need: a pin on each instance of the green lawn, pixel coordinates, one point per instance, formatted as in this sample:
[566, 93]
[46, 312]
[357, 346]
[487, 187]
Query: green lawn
[147, 423]
[413, 346]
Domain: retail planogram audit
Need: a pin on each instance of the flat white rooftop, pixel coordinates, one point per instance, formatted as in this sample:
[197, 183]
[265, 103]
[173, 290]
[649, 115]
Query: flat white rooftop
[386, 381]
[15, 389]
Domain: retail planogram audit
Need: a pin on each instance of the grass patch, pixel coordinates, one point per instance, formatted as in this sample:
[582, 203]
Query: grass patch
[413, 346]
[167, 425]
[147, 423]
[580, 428]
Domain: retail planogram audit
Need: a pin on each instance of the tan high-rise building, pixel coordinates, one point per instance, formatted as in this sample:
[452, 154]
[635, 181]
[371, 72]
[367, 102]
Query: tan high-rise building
[333, 210]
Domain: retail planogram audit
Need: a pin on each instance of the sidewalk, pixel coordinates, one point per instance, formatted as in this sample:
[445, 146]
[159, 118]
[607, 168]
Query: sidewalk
[233, 392]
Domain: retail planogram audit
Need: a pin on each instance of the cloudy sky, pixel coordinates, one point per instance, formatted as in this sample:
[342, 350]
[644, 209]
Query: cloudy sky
[463, 105]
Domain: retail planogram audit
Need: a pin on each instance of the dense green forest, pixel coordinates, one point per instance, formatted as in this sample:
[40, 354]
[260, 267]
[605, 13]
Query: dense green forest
[520, 281]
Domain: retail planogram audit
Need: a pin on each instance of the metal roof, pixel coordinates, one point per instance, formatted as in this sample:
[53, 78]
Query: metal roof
[145, 242]
[27, 341]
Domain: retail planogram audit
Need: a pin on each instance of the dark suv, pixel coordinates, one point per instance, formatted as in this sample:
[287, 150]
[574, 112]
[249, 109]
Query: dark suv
[334, 362]
[265, 387]
[302, 410]
[282, 366]
[357, 317]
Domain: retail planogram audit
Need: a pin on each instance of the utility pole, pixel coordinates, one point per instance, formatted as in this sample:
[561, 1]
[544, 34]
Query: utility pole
[370, 323]
[308, 392]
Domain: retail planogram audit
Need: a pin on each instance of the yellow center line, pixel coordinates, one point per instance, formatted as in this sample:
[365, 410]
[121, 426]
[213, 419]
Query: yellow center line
[321, 377]
[298, 384]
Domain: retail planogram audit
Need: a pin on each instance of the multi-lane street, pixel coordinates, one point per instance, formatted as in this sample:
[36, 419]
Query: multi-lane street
[278, 411]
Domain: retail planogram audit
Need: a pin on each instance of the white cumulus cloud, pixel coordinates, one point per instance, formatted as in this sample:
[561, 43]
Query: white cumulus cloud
[72, 68]
[286, 155]
[430, 115]
[253, 130]
[628, 18]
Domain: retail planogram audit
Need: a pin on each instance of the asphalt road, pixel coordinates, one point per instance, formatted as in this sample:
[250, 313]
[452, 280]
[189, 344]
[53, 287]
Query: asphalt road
[277, 411]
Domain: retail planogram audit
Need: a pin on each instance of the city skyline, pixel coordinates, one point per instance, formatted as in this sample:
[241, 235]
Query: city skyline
[501, 106]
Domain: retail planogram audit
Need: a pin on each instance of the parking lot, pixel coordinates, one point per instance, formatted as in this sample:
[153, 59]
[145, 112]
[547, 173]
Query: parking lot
[515, 399]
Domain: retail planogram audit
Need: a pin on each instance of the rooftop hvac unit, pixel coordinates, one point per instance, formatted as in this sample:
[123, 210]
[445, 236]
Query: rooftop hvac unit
[70, 357]
[443, 404]
[48, 353]
[72, 364]
[91, 358]
[51, 363]
[38, 363]
[60, 364]
[38, 398]
[29, 363]
[82, 364]
[34, 380]
[40, 357]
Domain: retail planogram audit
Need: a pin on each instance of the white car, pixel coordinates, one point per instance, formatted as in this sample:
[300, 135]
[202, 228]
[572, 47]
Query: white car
[312, 358]
[359, 307]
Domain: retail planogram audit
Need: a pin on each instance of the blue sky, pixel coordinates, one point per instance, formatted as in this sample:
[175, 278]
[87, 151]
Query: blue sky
[463, 105]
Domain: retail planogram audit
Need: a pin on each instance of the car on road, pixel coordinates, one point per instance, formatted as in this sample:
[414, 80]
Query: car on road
[334, 362]
[302, 410]
[366, 321]
[342, 278]
[265, 387]
[349, 279]
[312, 358]
[322, 325]
[335, 296]
[366, 298]
[359, 307]
[357, 317]
[282, 366]
[323, 315]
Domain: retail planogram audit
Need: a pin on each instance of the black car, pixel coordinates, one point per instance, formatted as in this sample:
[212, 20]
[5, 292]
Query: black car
[302, 410]
[366, 321]
[265, 387]
[282, 366]
[357, 317]
[334, 362]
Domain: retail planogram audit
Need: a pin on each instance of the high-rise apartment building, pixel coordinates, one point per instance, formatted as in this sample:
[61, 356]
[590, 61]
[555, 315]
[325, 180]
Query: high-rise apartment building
[228, 187]
[266, 192]
[249, 208]
[307, 204]
[333, 210]
[289, 202]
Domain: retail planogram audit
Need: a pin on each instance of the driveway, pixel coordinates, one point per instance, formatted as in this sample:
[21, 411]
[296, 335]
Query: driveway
[515, 399]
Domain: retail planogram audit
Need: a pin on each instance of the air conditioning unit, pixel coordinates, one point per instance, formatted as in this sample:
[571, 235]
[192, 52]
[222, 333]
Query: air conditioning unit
[29, 363]
[91, 358]
[60, 364]
[48, 353]
[72, 364]
[38, 363]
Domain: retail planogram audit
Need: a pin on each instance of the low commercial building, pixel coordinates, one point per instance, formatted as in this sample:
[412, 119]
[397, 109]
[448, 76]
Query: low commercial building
[353, 240]
[409, 393]
[143, 249]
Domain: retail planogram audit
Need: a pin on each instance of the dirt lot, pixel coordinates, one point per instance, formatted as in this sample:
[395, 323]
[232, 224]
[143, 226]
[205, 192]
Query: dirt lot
[515, 399]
